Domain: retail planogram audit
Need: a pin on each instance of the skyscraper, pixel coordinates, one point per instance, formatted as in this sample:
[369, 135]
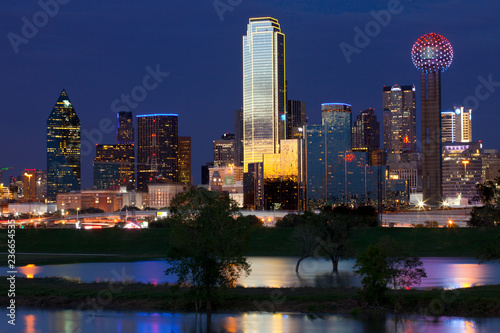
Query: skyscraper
[296, 119]
[264, 89]
[63, 149]
[157, 149]
[366, 130]
[399, 119]
[224, 150]
[456, 125]
[431, 55]
[125, 130]
[185, 160]
[326, 148]
[238, 137]
[114, 166]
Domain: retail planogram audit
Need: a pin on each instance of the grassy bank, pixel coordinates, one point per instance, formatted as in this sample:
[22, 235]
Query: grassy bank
[131, 245]
[58, 293]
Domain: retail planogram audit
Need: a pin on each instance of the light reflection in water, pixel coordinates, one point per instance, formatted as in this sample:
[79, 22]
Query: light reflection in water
[277, 272]
[68, 321]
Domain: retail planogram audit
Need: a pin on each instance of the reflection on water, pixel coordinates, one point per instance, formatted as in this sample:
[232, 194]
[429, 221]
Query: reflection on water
[69, 321]
[277, 272]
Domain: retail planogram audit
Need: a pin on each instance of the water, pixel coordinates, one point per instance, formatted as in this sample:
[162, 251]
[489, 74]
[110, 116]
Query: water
[70, 321]
[275, 272]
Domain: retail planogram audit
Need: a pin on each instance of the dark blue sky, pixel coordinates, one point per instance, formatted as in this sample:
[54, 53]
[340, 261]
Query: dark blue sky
[98, 50]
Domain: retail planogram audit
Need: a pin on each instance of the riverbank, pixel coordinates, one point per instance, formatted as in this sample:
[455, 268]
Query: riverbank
[483, 301]
[136, 245]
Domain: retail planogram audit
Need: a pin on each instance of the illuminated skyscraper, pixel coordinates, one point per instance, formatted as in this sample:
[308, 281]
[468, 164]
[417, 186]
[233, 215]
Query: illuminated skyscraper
[399, 119]
[456, 125]
[264, 89]
[114, 166]
[431, 54]
[63, 149]
[185, 160]
[125, 130]
[296, 119]
[224, 150]
[157, 149]
[366, 130]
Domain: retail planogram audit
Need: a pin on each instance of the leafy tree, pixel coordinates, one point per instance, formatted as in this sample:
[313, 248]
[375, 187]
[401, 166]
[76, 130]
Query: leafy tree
[484, 216]
[487, 192]
[206, 243]
[384, 264]
[335, 241]
[371, 266]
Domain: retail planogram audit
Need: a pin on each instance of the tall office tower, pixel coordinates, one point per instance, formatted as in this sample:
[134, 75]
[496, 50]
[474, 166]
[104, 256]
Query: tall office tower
[125, 130]
[63, 149]
[296, 119]
[326, 148]
[462, 169]
[185, 160]
[399, 119]
[114, 166]
[238, 137]
[456, 125]
[157, 149]
[366, 130]
[29, 185]
[491, 165]
[431, 55]
[224, 151]
[264, 89]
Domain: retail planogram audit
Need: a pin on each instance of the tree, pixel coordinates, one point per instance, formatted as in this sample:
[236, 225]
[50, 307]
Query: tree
[250, 220]
[335, 240]
[306, 236]
[371, 266]
[384, 264]
[206, 243]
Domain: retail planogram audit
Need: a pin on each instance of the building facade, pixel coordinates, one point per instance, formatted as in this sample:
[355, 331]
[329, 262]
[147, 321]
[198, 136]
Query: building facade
[366, 130]
[399, 119]
[264, 89]
[125, 130]
[456, 125]
[185, 160]
[63, 149]
[157, 149]
[224, 150]
[114, 166]
[238, 137]
[296, 119]
[161, 195]
[462, 169]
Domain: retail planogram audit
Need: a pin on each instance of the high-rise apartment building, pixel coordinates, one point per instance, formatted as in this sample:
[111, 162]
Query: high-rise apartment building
[125, 130]
[456, 125]
[296, 119]
[157, 149]
[29, 185]
[185, 160]
[63, 149]
[399, 119]
[366, 130]
[264, 89]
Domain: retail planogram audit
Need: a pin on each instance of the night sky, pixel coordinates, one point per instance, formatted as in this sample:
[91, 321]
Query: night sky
[99, 50]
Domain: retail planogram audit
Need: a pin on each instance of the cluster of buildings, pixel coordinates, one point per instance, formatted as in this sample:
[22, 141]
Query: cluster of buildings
[275, 159]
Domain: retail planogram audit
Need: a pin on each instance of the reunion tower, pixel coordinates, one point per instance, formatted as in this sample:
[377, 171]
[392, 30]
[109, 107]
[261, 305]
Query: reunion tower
[431, 54]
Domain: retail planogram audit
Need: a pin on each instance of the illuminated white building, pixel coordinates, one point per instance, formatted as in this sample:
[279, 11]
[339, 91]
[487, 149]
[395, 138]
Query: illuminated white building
[456, 125]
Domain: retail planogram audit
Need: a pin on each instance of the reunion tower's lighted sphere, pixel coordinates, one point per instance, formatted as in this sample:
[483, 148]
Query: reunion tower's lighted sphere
[432, 53]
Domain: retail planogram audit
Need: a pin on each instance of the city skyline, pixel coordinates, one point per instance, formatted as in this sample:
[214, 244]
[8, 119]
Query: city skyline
[309, 73]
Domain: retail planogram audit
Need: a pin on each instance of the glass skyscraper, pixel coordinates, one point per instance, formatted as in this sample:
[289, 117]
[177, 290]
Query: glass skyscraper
[456, 125]
[264, 89]
[63, 149]
[326, 148]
